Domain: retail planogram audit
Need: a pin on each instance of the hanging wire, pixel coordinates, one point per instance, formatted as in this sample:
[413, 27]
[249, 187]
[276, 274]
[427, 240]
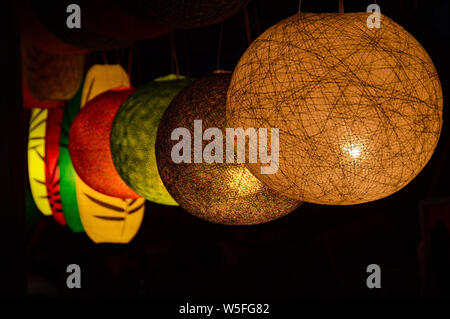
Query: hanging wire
[186, 54]
[247, 26]
[174, 54]
[130, 61]
[341, 6]
[299, 6]
[219, 49]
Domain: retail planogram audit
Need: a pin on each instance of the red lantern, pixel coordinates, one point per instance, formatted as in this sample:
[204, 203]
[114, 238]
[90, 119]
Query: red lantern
[89, 144]
[52, 139]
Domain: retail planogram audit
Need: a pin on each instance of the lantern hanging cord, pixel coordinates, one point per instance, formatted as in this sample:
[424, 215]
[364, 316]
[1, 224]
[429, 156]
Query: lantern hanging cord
[174, 54]
[341, 6]
[219, 49]
[299, 6]
[130, 61]
[247, 26]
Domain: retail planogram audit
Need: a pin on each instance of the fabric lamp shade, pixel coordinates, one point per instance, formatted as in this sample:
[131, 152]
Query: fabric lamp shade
[52, 140]
[219, 192]
[101, 78]
[33, 32]
[36, 155]
[89, 144]
[53, 16]
[30, 102]
[67, 174]
[50, 76]
[106, 218]
[133, 137]
[181, 14]
[359, 109]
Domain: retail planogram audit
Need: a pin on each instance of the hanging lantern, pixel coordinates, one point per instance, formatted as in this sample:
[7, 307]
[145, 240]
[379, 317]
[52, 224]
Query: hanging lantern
[54, 17]
[119, 24]
[67, 175]
[50, 76]
[35, 34]
[102, 77]
[181, 14]
[225, 193]
[36, 155]
[106, 218]
[52, 140]
[30, 102]
[133, 137]
[89, 144]
[359, 109]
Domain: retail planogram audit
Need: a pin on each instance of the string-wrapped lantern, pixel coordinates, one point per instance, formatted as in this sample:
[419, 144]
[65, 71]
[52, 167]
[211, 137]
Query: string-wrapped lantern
[106, 218]
[225, 193]
[133, 137]
[359, 109]
[67, 175]
[52, 140]
[30, 102]
[89, 144]
[54, 17]
[181, 14]
[36, 155]
[50, 76]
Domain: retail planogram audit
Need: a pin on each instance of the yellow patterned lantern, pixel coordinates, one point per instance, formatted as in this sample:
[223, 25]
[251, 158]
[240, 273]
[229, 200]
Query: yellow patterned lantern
[359, 109]
[36, 155]
[106, 218]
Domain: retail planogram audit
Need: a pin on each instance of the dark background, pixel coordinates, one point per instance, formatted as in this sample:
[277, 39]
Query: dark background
[315, 252]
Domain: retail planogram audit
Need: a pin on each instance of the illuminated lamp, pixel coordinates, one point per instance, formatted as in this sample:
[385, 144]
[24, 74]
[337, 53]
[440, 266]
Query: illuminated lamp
[89, 144]
[67, 175]
[133, 137]
[359, 109]
[36, 155]
[106, 218]
[50, 76]
[51, 158]
[225, 193]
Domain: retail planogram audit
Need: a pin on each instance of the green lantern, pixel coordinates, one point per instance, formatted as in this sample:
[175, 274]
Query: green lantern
[133, 137]
[67, 183]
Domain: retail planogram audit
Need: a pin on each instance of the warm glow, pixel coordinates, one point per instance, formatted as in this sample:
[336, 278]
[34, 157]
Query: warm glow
[242, 181]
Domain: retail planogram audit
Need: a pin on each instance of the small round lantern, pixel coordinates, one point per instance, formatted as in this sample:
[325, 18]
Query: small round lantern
[89, 144]
[225, 193]
[52, 140]
[133, 137]
[50, 76]
[359, 109]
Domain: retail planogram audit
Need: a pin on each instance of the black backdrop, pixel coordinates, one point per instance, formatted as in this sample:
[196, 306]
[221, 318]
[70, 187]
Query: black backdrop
[316, 251]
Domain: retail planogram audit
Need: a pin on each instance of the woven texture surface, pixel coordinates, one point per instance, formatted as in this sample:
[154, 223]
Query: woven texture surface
[182, 14]
[133, 137]
[217, 192]
[359, 110]
[89, 145]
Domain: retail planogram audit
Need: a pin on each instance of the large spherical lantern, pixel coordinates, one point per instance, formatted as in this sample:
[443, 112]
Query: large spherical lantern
[89, 144]
[182, 14]
[106, 218]
[225, 193]
[133, 137]
[359, 109]
[54, 17]
[52, 140]
[67, 174]
[36, 155]
[50, 76]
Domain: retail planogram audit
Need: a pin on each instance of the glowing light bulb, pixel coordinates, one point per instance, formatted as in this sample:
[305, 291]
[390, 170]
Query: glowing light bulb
[242, 181]
[353, 150]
